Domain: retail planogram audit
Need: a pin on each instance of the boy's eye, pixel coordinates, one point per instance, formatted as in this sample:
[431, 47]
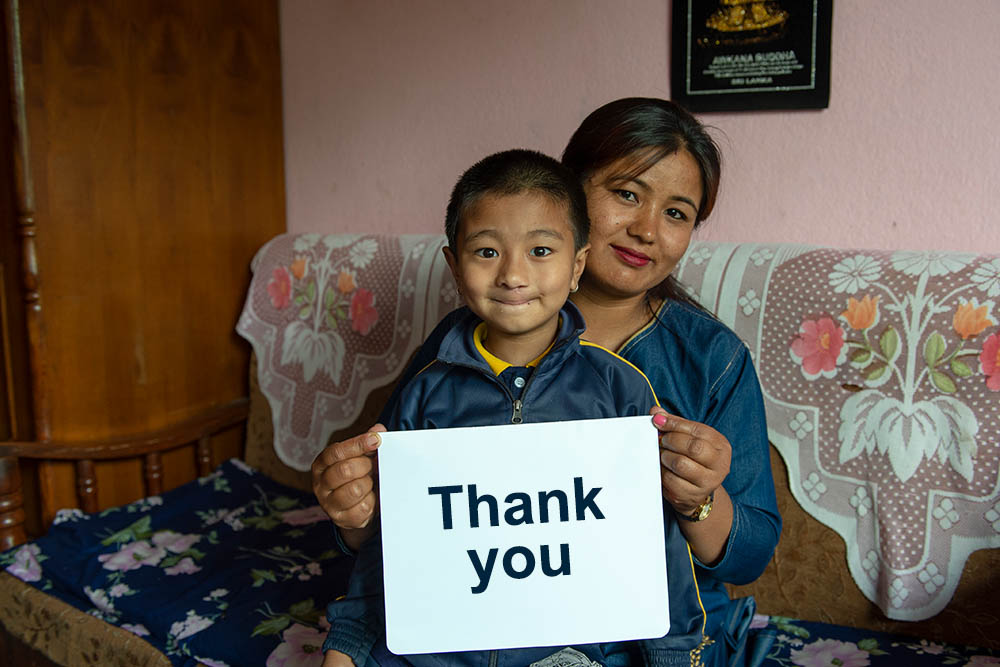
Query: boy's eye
[627, 195]
[487, 253]
[541, 251]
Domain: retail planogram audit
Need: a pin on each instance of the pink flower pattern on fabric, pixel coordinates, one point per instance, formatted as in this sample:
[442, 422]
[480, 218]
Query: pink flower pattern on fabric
[185, 566]
[208, 662]
[175, 542]
[819, 347]
[304, 517]
[826, 652]
[136, 629]
[26, 566]
[280, 288]
[191, 625]
[301, 648]
[930, 648]
[133, 556]
[901, 400]
[363, 312]
[99, 598]
[989, 360]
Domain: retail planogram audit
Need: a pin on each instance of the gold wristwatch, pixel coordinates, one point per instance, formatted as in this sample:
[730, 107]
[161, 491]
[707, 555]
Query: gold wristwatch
[702, 511]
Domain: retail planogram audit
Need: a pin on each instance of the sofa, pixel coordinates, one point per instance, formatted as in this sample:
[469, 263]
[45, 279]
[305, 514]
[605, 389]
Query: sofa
[881, 377]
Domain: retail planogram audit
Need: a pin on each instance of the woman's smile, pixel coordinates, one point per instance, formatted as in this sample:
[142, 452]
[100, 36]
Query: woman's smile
[631, 257]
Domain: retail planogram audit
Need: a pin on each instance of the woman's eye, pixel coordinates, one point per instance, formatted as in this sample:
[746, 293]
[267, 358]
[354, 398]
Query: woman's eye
[486, 253]
[676, 214]
[627, 195]
[541, 251]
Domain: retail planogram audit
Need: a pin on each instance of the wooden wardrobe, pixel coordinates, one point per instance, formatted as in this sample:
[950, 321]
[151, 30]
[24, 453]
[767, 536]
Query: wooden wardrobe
[141, 171]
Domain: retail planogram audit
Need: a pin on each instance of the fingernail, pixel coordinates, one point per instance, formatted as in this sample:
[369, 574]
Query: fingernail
[660, 419]
[372, 441]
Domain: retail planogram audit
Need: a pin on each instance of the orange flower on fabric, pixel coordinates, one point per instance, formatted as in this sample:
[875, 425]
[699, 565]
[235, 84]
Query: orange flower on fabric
[298, 268]
[861, 314]
[345, 282]
[971, 319]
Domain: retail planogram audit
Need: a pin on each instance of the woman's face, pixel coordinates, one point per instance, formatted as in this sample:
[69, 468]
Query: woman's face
[641, 226]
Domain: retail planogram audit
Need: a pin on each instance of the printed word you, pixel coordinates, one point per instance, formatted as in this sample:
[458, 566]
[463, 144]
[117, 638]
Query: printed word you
[521, 508]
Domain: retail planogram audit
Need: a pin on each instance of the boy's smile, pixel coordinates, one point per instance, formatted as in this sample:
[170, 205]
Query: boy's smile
[515, 265]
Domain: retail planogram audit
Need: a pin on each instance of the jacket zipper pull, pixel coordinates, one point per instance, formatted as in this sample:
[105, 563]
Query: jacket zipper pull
[516, 417]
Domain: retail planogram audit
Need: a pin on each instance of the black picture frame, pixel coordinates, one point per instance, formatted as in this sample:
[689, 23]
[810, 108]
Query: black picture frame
[738, 55]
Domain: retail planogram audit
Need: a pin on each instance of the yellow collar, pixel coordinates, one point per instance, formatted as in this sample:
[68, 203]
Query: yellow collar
[498, 365]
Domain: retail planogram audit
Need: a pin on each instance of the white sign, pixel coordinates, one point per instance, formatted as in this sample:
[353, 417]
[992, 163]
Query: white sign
[522, 535]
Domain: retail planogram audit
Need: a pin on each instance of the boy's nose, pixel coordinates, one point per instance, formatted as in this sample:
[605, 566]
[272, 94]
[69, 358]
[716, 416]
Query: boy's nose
[512, 272]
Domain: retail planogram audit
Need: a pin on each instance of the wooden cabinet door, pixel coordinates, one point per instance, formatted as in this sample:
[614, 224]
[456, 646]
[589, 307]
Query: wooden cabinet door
[154, 160]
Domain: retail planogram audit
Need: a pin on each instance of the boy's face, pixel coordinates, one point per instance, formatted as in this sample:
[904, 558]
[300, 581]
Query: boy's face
[515, 264]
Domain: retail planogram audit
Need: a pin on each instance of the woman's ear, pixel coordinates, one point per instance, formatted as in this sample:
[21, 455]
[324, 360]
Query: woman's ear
[579, 262]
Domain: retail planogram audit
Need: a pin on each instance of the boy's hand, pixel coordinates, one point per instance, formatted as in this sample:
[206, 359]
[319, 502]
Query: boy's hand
[335, 658]
[343, 480]
[694, 459]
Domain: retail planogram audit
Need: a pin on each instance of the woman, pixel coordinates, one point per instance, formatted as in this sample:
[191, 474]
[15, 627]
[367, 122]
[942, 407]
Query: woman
[651, 174]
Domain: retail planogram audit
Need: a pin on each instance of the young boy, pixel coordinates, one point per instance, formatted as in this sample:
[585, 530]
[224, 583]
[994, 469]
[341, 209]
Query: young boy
[517, 231]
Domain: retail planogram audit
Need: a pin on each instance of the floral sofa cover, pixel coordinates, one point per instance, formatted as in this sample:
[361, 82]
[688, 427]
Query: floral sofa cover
[880, 371]
[881, 379]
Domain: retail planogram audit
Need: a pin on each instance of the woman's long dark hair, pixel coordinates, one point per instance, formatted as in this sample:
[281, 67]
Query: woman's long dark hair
[646, 130]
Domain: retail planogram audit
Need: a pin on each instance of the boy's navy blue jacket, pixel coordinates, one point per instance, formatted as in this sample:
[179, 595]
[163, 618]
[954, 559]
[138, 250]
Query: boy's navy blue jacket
[573, 380]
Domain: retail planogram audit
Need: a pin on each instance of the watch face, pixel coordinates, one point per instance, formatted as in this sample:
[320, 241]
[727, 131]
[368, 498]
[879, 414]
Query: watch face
[701, 512]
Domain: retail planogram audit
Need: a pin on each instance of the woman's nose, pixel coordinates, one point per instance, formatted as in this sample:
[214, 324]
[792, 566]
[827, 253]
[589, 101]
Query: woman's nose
[643, 226]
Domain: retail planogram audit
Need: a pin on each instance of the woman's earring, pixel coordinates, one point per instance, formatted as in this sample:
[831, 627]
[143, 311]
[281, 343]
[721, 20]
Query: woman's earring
[573, 289]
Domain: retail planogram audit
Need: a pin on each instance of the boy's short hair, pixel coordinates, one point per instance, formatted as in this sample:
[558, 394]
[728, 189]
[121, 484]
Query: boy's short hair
[513, 172]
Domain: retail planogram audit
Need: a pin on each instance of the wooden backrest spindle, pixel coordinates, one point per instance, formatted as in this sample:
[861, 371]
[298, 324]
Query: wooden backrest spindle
[154, 474]
[86, 485]
[149, 446]
[204, 455]
[24, 202]
[11, 504]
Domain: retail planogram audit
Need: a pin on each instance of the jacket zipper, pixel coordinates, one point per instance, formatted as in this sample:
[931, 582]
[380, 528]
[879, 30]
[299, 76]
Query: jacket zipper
[515, 417]
[494, 655]
[517, 405]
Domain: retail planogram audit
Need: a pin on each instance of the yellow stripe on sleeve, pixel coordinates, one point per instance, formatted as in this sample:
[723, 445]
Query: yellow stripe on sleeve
[621, 358]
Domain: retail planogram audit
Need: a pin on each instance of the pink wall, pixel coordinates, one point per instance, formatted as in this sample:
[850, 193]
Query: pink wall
[386, 102]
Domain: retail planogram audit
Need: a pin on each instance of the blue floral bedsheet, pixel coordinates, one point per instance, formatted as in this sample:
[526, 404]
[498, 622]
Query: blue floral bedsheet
[812, 644]
[236, 569]
[230, 569]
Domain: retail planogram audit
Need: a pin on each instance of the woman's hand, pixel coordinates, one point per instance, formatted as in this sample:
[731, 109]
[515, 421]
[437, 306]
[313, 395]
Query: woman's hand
[343, 480]
[694, 460]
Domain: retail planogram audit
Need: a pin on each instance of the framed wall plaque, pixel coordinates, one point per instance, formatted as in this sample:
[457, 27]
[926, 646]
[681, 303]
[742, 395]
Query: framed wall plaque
[746, 55]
